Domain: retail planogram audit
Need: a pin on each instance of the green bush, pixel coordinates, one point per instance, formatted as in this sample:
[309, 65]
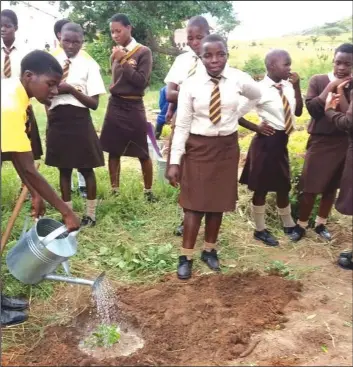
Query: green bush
[101, 50]
[254, 66]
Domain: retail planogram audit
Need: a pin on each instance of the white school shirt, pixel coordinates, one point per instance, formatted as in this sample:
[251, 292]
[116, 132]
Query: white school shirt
[194, 105]
[84, 73]
[16, 56]
[270, 107]
[179, 71]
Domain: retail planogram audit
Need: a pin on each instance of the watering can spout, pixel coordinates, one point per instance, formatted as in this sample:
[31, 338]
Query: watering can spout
[81, 281]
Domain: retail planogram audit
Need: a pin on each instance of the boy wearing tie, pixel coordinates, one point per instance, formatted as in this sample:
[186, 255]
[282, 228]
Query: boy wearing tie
[267, 163]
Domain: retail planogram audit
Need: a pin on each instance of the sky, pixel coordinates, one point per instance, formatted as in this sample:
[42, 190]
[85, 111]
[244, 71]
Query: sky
[259, 19]
[263, 19]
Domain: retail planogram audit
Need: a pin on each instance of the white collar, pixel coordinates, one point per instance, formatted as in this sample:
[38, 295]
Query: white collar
[331, 76]
[131, 45]
[225, 74]
[267, 80]
[14, 45]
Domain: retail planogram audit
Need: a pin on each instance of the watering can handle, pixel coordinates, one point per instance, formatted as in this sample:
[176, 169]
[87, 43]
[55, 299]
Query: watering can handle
[58, 232]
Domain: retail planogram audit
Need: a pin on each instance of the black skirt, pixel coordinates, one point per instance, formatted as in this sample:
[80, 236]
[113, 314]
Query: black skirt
[72, 141]
[124, 132]
[267, 164]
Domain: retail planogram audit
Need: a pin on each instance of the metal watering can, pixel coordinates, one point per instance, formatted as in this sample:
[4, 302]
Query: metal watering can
[39, 252]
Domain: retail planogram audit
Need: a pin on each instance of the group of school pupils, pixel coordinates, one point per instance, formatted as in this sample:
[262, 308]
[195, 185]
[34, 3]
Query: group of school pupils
[205, 100]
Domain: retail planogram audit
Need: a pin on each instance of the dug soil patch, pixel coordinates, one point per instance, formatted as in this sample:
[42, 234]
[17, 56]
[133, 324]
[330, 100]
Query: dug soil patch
[208, 320]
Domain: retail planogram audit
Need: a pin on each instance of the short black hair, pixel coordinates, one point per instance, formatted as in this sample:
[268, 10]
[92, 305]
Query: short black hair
[199, 21]
[346, 48]
[72, 27]
[11, 15]
[214, 38]
[58, 26]
[121, 18]
[41, 62]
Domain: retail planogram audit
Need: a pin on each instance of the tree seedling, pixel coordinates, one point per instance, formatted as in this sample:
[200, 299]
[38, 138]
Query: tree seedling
[104, 336]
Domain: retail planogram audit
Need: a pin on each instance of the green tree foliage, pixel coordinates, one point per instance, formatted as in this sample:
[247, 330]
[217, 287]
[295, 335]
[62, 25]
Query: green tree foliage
[154, 22]
[314, 40]
[254, 66]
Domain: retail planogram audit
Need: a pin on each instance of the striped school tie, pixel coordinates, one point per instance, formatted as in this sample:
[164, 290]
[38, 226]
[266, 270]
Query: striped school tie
[288, 121]
[7, 61]
[215, 103]
[66, 70]
[192, 70]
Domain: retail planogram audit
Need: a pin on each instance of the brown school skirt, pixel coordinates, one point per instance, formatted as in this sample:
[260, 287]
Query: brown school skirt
[324, 162]
[267, 164]
[344, 203]
[124, 131]
[33, 135]
[72, 141]
[210, 173]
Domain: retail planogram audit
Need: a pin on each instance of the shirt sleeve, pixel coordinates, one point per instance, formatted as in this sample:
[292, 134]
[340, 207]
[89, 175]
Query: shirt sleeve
[173, 75]
[182, 124]
[250, 94]
[95, 84]
[314, 104]
[13, 130]
[342, 121]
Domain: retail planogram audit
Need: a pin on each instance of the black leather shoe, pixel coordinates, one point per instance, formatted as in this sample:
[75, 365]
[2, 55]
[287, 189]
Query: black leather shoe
[179, 230]
[266, 237]
[322, 231]
[11, 317]
[297, 233]
[87, 221]
[150, 197]
[11, 303]
[345, 262]
[211, 259]
[184, 268]
[288, 230]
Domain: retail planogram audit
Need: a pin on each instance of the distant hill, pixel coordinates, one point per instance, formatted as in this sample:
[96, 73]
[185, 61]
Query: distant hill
[343, 26]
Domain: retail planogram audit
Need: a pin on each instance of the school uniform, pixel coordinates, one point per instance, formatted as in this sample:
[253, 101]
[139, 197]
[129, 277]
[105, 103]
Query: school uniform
[327, 145]
[124, 131]
[14, 103]
[267, 163]
[13, 70]
[344, 122]
[72, 141]
[208, 151]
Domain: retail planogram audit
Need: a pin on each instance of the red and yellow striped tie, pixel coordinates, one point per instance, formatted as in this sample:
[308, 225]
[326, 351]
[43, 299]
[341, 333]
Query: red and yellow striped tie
[66, 70]
[7, 61]
[288, 119]
[215, 103]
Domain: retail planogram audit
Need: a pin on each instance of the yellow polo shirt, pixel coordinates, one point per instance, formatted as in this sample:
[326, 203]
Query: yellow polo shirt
[14, 103]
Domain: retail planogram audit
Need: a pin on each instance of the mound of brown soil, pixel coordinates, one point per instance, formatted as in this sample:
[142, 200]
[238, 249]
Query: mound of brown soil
[206, 321]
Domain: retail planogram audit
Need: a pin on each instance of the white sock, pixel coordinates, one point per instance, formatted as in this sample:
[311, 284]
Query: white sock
[286, 216]
[320, 220]
[258, 214]
[91, 208]
[81, 180]
[302, 224]
[147, 190]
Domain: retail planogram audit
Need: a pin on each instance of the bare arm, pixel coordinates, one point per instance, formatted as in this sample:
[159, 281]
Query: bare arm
[172, 93]
[24, 165]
